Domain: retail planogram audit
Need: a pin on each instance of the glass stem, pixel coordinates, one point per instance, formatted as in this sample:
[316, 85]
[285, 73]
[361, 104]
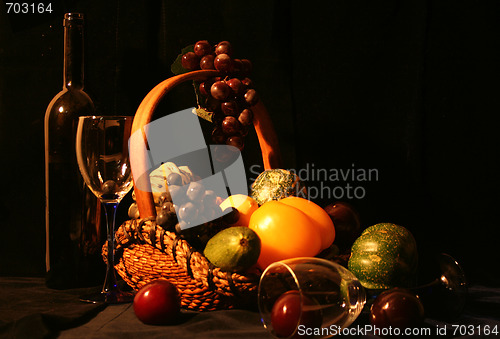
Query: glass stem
[110, 284]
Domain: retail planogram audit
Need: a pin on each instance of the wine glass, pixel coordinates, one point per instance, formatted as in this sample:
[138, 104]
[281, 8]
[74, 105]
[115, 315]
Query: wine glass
[308, 296]
[103, 159]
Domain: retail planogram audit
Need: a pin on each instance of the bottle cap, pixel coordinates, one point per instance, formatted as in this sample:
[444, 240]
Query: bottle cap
[73, 18]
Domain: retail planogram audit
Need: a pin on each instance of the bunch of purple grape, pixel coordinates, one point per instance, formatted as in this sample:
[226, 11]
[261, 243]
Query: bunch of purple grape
[182, 206]
[229, 97]
[196, 206]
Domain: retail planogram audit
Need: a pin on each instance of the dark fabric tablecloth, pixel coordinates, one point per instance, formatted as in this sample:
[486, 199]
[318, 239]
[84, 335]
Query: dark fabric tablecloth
[30, 310]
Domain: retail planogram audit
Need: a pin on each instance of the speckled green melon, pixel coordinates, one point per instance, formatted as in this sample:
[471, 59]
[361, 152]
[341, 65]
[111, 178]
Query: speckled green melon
[384, 256]
[234, 249]
[277, 184]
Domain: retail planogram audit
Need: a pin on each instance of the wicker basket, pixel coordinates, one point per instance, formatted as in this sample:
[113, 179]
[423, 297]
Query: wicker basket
[145, 251]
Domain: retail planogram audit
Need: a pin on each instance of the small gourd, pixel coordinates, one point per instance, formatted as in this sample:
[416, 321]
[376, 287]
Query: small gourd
[384, 256]
[276, 184]
[234, 249]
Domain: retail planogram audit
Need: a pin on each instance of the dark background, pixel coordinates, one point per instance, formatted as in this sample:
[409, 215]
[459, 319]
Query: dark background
[410, 88]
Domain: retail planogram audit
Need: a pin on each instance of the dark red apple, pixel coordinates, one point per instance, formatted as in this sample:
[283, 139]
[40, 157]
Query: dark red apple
[397, 308]
[290, 310]
[157, 303]
[346, 222]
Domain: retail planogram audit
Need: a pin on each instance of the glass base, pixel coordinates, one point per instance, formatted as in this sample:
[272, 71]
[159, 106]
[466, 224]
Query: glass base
[116, 297]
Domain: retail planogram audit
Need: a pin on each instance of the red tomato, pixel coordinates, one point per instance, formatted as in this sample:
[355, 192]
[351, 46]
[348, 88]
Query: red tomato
[397, 308]
[347, 224]
[290, 310]
[157, 303]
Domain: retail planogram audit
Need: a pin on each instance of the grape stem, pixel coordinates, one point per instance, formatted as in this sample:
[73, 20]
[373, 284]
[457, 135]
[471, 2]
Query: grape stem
[196, 93]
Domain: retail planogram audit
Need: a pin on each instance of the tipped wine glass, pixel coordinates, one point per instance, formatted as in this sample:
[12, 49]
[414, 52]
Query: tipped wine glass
[103, 159]
[308, 297]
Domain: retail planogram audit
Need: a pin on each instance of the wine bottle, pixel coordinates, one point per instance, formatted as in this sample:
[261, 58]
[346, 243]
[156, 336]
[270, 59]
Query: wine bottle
[74, 235]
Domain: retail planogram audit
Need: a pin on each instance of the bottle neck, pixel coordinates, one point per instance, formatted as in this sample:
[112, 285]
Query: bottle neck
[73, 51]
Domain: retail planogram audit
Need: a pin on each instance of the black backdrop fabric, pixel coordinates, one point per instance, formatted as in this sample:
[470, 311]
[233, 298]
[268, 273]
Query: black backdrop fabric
[406, 89]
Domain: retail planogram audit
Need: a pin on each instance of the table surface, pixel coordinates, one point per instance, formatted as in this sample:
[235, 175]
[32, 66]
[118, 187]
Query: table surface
[30, 310]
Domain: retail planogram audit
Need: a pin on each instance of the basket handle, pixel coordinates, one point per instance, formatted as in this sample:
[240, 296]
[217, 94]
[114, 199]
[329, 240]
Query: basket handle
[266, 134]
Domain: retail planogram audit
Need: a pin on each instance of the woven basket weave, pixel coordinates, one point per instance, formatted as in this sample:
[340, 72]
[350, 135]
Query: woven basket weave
[146, 252]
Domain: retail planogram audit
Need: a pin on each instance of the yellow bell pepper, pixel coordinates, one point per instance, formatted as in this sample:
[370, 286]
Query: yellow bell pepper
[291, 228]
